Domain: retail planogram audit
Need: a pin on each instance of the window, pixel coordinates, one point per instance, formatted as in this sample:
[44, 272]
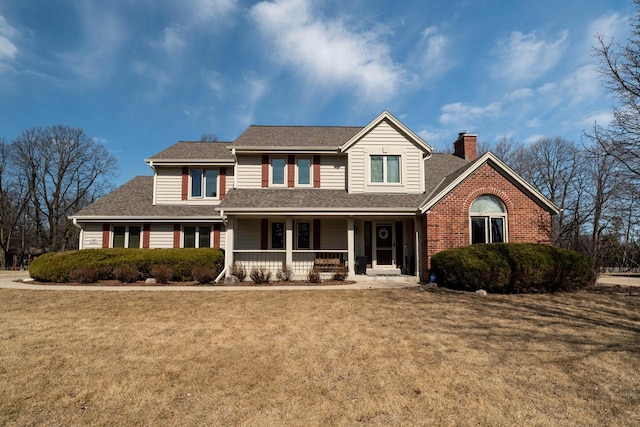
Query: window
[277, 235]
[303, 235]
[278, 165]
[304, 171]
[196, 237]
[204, 181]
[488, 220]
[385, 169]
[126, 236]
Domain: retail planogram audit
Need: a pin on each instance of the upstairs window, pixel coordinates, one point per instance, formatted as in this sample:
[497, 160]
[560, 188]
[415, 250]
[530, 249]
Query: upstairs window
[204, 182]
[385, 169]
[304, 170]
[488, 218]
[278, 165]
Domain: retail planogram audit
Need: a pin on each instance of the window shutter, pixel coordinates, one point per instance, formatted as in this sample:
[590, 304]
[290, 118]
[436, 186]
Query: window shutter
[146, 234]
[316, 234]
[316, 171]
[105, 235]
[265, 170]
[176, 235]
[185, 183]
[291, 172]
[264, 234]
[216, 236]
[223, 182]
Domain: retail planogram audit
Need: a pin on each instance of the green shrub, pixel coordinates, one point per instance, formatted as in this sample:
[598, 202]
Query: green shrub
[85, 274]
[126, 274]
[203, 274]
[512, 268]
[161, 273]
[55, 267]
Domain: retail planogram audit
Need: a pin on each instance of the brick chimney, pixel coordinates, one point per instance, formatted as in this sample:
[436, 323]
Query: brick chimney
[465, 146]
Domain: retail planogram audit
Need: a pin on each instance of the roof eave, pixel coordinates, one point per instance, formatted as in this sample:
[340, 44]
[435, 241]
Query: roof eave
[288, 149]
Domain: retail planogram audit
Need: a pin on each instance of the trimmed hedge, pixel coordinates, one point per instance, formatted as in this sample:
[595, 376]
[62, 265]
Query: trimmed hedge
[512, 268]
[55, 267]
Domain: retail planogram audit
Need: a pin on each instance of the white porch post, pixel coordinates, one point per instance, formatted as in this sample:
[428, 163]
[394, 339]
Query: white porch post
[417, 225]
[228, 252]
[351, 249]
[288, 235]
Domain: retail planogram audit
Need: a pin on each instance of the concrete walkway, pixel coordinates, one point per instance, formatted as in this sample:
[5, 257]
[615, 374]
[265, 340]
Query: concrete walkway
[10, 280]
[618, 279]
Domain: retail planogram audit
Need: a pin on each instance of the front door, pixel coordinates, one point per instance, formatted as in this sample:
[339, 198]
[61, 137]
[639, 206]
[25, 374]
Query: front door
[384, 245]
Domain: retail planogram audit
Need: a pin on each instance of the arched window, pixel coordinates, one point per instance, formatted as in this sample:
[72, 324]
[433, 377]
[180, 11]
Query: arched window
[488, 218]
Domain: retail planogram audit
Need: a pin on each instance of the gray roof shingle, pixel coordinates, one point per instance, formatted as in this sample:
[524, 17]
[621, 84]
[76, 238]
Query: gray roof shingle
[439, 166]
[192, 150]
[296, 136]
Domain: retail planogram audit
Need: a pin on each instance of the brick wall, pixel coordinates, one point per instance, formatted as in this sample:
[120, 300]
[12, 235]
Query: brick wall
[447, 223]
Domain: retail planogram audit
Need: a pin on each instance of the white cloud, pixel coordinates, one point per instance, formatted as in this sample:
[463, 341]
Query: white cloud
[328, 52]
[8, 49]
[173, 42]
[432, 50]
[611, 25]
[602, 118]
[524, 58]
[519, 94]
[214, 81]
[532, 138]
[462, 114]
[534, 123]
[210, 10]
[256, 88]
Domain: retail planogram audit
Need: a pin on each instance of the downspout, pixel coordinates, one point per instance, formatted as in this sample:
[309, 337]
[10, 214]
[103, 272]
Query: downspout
[221, 275]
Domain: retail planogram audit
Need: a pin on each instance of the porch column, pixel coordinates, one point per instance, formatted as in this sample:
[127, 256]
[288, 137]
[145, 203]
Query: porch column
[351, 249]
[228, 251]
[288, 236]
[417, 226]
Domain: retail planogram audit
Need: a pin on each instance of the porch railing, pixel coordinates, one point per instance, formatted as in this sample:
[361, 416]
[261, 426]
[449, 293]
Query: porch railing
[302, 260]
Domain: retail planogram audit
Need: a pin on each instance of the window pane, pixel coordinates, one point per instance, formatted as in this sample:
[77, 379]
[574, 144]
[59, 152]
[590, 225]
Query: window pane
[478, 230]
[277, 170]
[497, 230]
[196, 183]
[304, 235]
[304, 171]
[376, 169]
[118, 236]
[277, 235]
[134, 237]
[393, 169]
[211, 182]
[189, 237]
[205, 237]
[487, 204]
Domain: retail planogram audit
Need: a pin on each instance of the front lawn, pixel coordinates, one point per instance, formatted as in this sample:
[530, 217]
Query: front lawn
[377, 357]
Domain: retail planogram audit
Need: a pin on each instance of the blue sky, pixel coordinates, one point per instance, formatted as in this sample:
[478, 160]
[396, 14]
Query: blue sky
[141, 75]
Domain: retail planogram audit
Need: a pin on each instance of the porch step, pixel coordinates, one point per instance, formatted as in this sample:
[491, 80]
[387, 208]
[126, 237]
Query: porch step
[395, 278]
[383, 272]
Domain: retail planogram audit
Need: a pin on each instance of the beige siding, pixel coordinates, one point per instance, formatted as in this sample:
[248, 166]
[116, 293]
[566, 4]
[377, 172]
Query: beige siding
[223, 238]
[247, 233]
[249, 170]
[168, 185]
[334, 234]
[92, 236]
[384, 139]
[333, 172]
[229, 185]
[161, 236]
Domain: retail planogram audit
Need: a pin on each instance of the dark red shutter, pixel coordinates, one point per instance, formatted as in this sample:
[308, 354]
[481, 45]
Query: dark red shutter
[146, 234]
[176, 235]
[105, 235]
[291, 171]
[223, 182]
[316, 171]
[265, 170]
[316, 234]
[264, 234]
[185, 183]
[216, 236]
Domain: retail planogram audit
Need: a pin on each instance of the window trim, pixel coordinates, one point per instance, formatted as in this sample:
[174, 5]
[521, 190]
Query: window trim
[297, 173]
[126, 236]
[487, 217]
[284, 171]
[196, 235]
[385, 169]
[203, 183]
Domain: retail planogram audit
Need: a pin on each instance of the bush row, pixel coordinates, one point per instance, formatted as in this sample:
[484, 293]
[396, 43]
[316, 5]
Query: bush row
[512, 268]
[57, 267]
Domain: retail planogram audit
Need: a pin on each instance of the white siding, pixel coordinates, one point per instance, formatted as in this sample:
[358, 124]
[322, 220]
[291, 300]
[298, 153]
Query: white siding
[333, 234]
[381, 140]
[223, 238]
[161, 236]
[248, 232]
[92, 236]
[249, 170]
[332, 172]
[168, 185]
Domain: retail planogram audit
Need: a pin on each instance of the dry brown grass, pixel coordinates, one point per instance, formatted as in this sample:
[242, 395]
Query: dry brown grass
[318, 358]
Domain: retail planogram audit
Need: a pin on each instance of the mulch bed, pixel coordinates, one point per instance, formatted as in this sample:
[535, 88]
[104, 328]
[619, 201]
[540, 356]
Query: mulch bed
[192, 283]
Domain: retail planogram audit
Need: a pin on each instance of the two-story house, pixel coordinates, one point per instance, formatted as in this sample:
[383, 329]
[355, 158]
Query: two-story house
[308, 196]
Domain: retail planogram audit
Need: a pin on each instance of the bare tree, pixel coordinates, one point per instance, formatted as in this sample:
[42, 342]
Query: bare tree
[64, 171]
[208, 137]
[620, 69]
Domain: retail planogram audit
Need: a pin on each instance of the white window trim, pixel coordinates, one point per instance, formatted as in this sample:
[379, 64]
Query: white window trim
[197, 235]
[126, 235]
[285, 172]
[487, 216]
[297, 168]
[203, 189]
[384, 169]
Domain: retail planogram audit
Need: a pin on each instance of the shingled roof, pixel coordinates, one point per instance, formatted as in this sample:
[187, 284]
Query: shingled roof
[195, 150]
[295, 136]
[439, 167]
[135, 199]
